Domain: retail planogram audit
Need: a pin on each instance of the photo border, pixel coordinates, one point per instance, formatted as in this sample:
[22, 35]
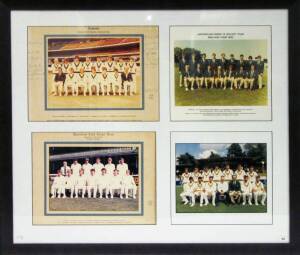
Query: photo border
[157, 102]
[48, 36]
[171, 199]
[8, 242]
[205, 120]
[46, 194]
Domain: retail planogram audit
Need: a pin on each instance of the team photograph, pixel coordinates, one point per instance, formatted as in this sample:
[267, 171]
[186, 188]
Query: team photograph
[221, 72]
[103, 179]
[221, 178]
[94, 72]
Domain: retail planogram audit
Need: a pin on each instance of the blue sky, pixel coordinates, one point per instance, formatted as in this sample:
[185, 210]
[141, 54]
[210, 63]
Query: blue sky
[202, 150]
[247, 47]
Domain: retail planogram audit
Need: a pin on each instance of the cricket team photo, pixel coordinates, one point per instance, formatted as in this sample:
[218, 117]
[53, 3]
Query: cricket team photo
[221, 73]
[98, 179]
[94, 72]
[221, 178]
[94, 177]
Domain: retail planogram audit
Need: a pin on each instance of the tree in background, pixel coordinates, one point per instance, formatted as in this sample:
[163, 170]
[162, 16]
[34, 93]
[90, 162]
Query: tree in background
[214, 155]
[235, 151]
[186, 159]
[187, 52]
[256, 151]
[177, 54]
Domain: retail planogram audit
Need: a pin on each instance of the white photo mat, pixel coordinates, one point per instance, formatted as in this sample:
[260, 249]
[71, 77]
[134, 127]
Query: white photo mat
[242, 33]
[164, 231]
[222, 218]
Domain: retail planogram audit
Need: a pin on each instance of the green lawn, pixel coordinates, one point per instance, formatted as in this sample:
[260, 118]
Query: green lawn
[220, 208]
[220, 97]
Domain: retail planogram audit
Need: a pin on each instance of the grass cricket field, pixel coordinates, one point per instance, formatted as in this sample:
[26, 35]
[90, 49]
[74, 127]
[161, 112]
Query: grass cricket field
[220, 97]
[77, 102]
[220, 208]
[93, 204]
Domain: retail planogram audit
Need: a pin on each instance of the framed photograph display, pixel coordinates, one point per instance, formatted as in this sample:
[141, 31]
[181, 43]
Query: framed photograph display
[230, 174]
[221, 72]
[150, 127]
[93, 178]
[92, 73]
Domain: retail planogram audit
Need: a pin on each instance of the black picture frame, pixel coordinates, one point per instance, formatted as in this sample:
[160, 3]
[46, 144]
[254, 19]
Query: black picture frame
[6, 220]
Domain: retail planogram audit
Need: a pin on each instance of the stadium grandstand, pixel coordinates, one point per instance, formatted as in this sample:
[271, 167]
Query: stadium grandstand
[125, 48]
[59, 154]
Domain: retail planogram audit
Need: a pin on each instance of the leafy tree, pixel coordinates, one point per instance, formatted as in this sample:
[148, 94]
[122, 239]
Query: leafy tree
[235, 150]
[214, 155]
[177, 54]
[186, 159]
[187, 52]
[256, 151]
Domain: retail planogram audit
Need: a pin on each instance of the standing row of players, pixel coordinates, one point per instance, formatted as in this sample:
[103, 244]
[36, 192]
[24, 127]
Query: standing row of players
[221, 73]
[225, 186]
[106, 180]
[103, 76]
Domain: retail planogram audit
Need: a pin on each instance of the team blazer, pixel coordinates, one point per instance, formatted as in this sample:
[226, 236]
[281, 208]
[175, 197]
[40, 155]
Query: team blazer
[193, 67]
[209, 74]
[260, 67]
[229, 74]
[127, 77]
[223, 63]
[219, 75]
[253, 75]
[182, 64]
[241, 74]
[234, 186]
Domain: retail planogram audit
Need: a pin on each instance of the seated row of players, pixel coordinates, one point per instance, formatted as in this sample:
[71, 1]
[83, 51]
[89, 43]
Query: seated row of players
[94, 77]
[221, 73]
[223, 190]
[106, 180]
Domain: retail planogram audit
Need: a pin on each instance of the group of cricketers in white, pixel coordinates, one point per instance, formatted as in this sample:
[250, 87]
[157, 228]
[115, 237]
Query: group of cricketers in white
[104, 76]
[107, 180]
[225, 186]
